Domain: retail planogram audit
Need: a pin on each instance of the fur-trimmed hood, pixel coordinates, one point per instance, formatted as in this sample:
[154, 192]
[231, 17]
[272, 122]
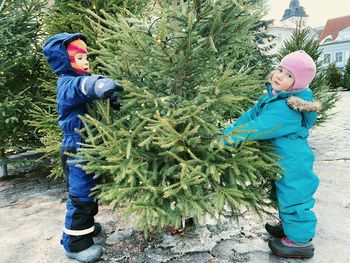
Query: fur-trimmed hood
[299, 100]
[307, 108]
[298, 104]
[303, 102]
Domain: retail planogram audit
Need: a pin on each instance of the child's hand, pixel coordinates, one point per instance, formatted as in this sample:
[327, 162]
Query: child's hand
[100, 87]
[114, 102]
[104, 88]
[118, 87]
[116, 105]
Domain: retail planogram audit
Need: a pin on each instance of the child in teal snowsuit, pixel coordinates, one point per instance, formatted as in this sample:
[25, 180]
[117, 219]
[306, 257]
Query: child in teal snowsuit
[284, 116]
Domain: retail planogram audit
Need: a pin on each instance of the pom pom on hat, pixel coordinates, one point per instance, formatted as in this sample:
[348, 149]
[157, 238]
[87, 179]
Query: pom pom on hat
[302, 66]
[73, 48]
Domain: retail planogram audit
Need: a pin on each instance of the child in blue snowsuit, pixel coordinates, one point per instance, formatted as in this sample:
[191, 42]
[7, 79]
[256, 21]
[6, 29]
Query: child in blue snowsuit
[76, 88]
[284, 116]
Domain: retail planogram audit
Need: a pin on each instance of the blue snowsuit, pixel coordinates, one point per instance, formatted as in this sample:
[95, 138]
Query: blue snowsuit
[285, 119]
[74, 92]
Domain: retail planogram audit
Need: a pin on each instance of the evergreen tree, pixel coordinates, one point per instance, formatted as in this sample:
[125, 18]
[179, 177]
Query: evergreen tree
[69, 16]
[20, 68]
[334, 77]
[301, 41]
[187, 68]
[346, 76]
[263, 46]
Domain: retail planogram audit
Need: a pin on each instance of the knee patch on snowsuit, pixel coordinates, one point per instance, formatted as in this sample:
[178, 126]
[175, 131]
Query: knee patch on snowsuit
[79, 223]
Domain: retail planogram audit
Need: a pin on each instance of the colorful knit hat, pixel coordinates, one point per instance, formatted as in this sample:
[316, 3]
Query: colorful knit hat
[73, 48]
[302, 66]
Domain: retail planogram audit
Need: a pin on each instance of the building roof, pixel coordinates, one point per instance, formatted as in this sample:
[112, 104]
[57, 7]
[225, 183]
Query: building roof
[294, 10]
[333, 26]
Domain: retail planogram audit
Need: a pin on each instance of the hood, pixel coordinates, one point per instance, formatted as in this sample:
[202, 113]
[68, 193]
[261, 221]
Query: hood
[303, 102]
[300, 100]
[297, 103]
[57, 55]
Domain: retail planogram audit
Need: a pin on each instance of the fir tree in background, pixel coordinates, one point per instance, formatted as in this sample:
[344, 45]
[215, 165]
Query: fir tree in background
[334, 77]
[20, 68]
[69, 16]
[187, 68]
[301, 41]
[263, 46]
[346, 77]
[44, 118]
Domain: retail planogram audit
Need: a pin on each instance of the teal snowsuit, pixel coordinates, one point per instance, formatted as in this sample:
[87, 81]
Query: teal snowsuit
[285, 119]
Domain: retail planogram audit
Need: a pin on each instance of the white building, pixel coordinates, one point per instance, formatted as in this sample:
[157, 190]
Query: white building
[334, 37]
[335, 41]
[293, 16]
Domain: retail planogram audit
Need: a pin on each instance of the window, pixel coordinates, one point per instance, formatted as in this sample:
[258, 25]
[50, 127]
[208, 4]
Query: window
[327, 58]
[338, 56]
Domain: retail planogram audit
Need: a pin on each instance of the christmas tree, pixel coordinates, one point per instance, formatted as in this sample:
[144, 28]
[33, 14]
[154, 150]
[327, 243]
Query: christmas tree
[20, 68]
[346, 77]
[334, 77]
[302, 41]
[70, 16]
[264, 45]
[188, 68]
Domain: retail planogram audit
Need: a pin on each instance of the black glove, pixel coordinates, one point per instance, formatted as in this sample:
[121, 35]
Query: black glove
[114, 102]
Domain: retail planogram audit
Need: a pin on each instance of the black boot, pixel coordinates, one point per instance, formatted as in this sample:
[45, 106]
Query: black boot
[289, 249]
[97, 229]
[275, 229]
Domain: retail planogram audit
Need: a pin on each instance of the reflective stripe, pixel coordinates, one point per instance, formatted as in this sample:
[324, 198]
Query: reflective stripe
[83, 88]
[78, 232]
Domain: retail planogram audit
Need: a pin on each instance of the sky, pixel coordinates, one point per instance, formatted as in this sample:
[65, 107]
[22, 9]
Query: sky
[318, 10]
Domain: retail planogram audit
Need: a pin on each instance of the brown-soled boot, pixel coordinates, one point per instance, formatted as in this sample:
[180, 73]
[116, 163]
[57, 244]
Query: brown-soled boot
[283, 247]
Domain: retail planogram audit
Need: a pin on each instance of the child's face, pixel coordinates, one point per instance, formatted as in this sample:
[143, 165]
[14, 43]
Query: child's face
[82, 62]
[282, 79]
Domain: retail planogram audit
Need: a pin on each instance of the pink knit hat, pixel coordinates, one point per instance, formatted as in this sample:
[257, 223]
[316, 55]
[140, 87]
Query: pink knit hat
[302, 66]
